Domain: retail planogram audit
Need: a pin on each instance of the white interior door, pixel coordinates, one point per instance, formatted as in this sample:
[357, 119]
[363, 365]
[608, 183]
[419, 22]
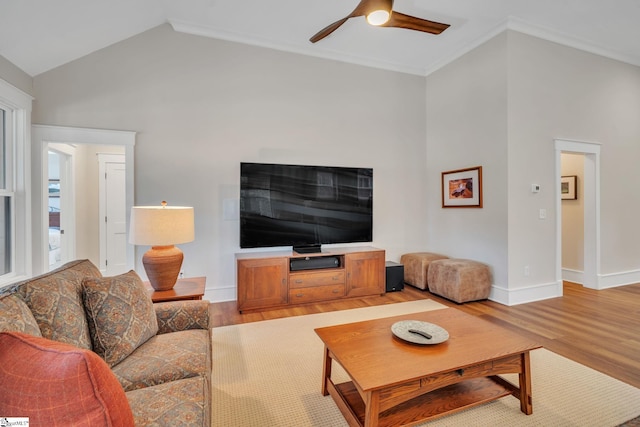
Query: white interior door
[113, 230]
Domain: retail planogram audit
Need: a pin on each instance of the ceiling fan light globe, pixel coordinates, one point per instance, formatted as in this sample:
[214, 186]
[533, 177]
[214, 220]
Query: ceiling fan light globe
[378, 17]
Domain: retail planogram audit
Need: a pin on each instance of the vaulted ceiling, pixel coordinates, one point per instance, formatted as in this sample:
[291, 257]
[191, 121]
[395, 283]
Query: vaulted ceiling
[38, 35]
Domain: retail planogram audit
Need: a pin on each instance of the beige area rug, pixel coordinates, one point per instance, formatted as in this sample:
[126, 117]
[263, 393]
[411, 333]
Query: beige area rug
[268, 374]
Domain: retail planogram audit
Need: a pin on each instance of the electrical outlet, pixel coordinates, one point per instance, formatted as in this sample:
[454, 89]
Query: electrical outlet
[543, 214]
[526, 270]
[181, 275]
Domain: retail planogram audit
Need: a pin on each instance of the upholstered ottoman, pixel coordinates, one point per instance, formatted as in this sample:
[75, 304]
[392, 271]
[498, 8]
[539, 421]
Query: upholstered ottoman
[459, 280]
[416, 266]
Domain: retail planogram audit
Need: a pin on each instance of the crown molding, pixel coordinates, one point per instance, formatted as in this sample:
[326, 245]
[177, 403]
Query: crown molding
[511, 23]
[204, 31]
[500, 28]
[522, 26]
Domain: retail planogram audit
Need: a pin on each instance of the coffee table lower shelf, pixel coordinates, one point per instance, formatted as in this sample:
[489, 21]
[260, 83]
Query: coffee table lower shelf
[443, 401]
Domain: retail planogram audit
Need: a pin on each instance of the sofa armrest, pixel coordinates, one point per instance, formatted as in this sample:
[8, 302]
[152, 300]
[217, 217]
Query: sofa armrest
[176, 316]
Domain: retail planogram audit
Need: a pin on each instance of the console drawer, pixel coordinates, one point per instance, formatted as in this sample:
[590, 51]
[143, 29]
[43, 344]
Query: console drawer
[317, 278]
[318, 293]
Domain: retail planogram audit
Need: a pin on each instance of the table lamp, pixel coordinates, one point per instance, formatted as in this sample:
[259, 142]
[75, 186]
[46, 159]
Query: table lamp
[161, 227]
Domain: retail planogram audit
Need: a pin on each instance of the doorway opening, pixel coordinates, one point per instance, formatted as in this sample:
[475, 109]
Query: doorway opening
[590, 205]
[80, 217]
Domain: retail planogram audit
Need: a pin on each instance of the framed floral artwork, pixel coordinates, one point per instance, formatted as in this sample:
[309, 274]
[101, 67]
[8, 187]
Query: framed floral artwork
[462, 188]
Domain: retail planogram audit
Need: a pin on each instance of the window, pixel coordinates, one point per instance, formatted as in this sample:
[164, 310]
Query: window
[15, 112]
[6, 196]
[5, 201]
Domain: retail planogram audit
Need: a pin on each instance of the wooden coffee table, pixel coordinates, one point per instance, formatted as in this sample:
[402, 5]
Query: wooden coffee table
[395, 383]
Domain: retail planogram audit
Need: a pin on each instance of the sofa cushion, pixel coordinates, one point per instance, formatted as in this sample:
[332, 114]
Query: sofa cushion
[17, 317]
[120, 314]
[176, 403]
[56, 384]
[166, 357]
[55, 299]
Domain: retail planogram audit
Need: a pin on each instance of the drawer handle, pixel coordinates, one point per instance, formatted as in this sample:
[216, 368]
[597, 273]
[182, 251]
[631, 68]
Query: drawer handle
[299, 295]
[299, 281]
[336, 291]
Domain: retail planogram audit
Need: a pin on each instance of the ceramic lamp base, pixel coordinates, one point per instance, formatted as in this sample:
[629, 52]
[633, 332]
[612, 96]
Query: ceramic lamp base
[162, 265]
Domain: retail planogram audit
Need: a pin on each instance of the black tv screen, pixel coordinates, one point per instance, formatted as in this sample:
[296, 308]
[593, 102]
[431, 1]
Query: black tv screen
[304, 206]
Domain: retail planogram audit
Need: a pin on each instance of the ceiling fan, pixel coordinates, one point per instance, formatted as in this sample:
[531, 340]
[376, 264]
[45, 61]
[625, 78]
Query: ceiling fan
[381, 13]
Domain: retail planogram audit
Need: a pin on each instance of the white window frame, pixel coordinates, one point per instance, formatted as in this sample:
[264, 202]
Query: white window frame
[18, 151]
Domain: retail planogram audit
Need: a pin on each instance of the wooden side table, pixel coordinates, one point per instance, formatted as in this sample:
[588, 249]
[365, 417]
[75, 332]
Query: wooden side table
[185, 289]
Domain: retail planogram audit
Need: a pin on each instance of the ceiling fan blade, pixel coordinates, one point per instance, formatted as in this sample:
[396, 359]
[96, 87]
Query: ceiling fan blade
[327, 30]
[400, 20]
[360, 10]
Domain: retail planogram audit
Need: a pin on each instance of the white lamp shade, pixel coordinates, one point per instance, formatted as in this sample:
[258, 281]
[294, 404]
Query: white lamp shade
[161, 225]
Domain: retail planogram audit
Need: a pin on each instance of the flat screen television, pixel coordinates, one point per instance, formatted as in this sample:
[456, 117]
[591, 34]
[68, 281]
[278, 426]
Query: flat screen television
[304, 206]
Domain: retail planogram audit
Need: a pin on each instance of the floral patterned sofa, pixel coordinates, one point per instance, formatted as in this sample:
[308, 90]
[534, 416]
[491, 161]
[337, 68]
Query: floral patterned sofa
[154, 361]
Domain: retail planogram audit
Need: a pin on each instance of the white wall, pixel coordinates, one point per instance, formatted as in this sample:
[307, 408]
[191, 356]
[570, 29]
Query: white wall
[466, 127]
[559, 92]
[15, 76]
[501, 106]
[201, 106]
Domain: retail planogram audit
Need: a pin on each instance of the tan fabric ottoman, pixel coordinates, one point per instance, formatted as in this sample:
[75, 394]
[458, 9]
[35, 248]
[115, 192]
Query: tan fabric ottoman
[460, 280]
[416, 266]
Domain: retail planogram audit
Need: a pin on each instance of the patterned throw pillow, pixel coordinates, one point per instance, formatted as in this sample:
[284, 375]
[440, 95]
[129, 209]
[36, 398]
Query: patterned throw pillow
[120, 314]
[16, 316]
[55, 299]
[57, 384]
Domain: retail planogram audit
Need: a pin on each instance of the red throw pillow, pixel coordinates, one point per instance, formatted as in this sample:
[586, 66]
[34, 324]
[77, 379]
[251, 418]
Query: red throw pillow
[57, 384]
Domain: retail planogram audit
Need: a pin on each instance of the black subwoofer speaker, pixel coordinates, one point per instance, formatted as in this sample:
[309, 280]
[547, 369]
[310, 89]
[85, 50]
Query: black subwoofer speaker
[395, 276]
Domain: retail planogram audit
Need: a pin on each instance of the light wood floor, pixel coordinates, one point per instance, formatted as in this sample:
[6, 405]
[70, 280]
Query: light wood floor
[600, 329]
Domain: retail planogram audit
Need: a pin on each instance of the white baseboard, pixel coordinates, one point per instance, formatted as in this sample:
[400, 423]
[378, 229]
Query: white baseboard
[573, 276]
[552, 290]
[622, 278]
[604, 281]
[227, 293]
[526, 294]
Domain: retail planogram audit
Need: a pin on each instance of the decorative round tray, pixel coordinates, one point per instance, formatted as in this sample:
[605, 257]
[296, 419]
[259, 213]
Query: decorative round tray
[417, 332]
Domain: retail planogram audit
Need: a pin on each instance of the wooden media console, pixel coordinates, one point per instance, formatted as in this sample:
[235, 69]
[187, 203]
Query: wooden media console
[269, 280]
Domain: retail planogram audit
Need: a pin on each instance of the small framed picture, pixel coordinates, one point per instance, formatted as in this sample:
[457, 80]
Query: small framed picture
[462, 188]
[568, 187]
